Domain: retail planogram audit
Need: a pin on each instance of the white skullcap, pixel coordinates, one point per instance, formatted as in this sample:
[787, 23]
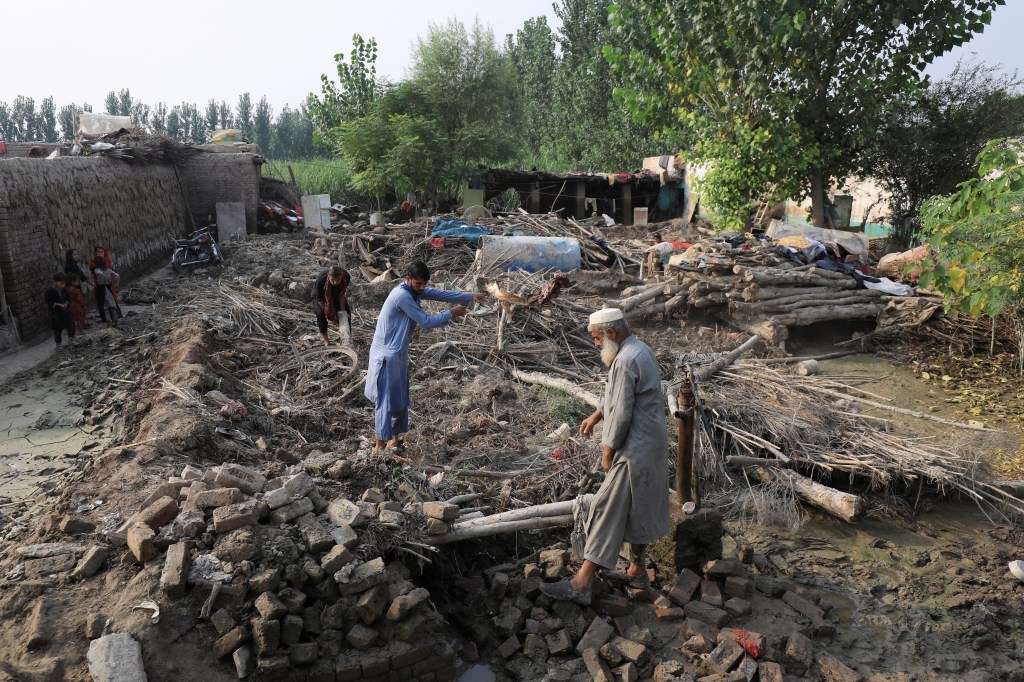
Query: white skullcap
[605, 315]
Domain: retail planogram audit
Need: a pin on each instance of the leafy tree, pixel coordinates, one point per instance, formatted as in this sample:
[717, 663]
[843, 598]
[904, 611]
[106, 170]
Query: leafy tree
[243, 118]
[7, 129]
[351, 97]
[174, 125]
[66, 118]
[977, 235]
[262, 124]
[48, 120]
[532, 52]
[468, 82]
[212, 115]
[929, 145]
[293, 135]
[112, 105]
[158, 119]
[752, 77]
[226, 120]
[593, 130]
[25, 119]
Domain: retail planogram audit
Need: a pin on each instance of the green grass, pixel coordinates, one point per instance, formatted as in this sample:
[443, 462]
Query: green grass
[316, 176]
[562, 407]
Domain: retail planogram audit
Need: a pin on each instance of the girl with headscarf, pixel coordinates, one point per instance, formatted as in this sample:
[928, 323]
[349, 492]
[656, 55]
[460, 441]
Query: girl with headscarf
[330, 303]
[105, 291]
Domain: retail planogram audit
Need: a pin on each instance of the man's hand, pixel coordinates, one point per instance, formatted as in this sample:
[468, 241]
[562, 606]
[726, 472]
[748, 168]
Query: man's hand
[588, 424]
[479, 298]
[458, 311]
[607, 458]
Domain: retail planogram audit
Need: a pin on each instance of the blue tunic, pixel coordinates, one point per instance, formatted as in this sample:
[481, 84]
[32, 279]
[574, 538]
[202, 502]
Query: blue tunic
[387, 377]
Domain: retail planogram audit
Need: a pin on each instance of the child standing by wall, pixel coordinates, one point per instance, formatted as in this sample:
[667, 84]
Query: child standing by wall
[57, 302]
[106, 281]
[77, 299]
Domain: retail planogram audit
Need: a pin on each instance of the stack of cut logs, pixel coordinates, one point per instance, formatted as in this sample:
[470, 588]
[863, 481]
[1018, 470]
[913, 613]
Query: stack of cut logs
[760, 291]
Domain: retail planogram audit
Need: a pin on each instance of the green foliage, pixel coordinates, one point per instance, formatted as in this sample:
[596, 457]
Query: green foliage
[929, 145]
[532, 54]
[592, 129]
[800, 84]
[262, 122]
[48, 121]
[351, 97]
[561, 407]
[977, 235]
[316, 176]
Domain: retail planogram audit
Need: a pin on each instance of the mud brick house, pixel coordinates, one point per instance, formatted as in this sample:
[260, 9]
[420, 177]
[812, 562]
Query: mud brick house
[50, 205]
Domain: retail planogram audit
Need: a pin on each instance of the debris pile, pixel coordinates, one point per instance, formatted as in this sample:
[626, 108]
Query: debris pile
[287, 577]
[682, 626]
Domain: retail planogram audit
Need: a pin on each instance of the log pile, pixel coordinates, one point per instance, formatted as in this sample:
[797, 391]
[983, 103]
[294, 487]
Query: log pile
[761, 291]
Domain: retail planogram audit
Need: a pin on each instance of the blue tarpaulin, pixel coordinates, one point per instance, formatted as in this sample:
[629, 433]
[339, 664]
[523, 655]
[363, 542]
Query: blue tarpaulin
[459, 228]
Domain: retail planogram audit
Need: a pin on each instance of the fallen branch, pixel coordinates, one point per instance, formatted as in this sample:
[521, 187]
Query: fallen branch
[844, 505]
[572, 389]
[498, 528]
[900, 410]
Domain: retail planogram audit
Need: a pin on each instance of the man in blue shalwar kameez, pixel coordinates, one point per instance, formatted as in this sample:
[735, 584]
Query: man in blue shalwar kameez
[387, 377]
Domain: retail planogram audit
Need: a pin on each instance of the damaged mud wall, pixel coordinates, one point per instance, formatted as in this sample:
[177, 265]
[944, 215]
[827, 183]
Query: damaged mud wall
[47, 207]
[210, 178]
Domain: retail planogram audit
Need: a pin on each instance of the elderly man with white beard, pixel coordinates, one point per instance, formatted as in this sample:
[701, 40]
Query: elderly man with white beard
[631, 505]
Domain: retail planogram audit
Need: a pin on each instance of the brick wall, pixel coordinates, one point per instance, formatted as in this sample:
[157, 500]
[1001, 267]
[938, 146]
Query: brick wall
[47, 207]
[209, 178]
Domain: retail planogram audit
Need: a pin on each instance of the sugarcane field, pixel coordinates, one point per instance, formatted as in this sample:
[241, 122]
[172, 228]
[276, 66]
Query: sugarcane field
[664, 343]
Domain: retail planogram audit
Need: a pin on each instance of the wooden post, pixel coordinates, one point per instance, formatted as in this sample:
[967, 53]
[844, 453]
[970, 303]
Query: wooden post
[684, 453]
[627, 202]
[535, 197]
[581, 200]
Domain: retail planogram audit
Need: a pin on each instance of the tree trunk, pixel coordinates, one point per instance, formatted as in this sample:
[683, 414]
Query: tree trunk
[844, 505]
[817, 197]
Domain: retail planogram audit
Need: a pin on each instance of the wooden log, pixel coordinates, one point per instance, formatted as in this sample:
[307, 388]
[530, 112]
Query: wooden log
[708, 371]
[711, 299]
[789, 303]
[653, 291]
[653, 309]
[789, 361]
[572, 389]
[802, 318]
[773, 276]
[848, 507]
[759, 293]
[772, 334]
[498, 528]
[534, 512]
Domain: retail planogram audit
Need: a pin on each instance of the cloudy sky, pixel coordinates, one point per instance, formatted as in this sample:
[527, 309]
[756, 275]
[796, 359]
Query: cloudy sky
[192, 51]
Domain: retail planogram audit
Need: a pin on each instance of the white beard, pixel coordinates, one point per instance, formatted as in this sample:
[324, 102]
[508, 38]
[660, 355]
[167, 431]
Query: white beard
[609, 349]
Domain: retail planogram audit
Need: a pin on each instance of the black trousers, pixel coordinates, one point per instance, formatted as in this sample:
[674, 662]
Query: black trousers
[62, 320]
[100, 294]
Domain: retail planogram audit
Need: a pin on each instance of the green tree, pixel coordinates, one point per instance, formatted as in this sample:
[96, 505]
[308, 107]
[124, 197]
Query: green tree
[66, 118]
[7, 129]
[112, 105]
[262, 124]
[350, 98]
[158, 119]
[532, 53]
[243, 116]
[977, 234]
[468, 82]
[292, 135]
[226, 119]
[823, 74]
[929, 145]
[25, 119]
[212, 118]
[174, 125]
[48, 121]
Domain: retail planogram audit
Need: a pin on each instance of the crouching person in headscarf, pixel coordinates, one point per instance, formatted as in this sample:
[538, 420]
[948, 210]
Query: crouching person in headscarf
[330, 303]
[631, 505]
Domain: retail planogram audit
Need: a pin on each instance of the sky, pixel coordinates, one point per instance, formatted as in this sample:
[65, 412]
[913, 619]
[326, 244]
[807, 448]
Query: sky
[192, 51]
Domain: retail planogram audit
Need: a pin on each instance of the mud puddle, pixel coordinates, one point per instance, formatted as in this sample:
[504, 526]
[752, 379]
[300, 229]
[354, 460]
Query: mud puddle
[49, 428]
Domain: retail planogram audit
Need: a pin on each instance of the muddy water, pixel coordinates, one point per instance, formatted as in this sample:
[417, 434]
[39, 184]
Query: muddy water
[45, 434]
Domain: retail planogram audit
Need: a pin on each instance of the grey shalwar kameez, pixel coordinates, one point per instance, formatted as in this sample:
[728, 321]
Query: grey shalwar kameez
[632, 503]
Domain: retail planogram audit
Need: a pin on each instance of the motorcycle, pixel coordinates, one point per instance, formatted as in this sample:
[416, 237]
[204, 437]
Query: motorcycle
[275, 217]
[199, 249]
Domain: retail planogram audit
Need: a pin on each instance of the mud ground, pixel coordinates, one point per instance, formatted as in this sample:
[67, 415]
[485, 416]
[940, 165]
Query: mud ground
[923, 594]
